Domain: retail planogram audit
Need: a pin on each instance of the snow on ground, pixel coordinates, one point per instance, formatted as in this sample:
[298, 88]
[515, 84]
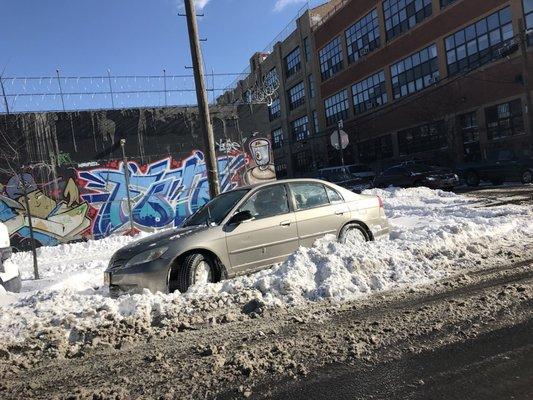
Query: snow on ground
[434, 234]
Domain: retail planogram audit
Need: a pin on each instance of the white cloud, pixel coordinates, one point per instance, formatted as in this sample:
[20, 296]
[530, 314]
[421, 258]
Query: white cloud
[281, 4]
[200, 4]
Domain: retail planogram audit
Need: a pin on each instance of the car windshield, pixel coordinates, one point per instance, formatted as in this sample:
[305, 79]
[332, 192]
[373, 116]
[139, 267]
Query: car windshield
[354, 169]
[213, 212]
[417, 168]
[337, 175]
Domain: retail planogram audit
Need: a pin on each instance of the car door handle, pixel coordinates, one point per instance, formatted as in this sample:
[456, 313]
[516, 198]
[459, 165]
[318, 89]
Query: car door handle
[339, 212]
[285, 223]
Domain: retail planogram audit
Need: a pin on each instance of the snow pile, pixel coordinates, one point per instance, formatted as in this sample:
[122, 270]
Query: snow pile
[434, 234]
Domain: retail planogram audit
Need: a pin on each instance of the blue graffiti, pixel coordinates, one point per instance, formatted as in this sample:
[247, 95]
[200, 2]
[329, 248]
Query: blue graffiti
[162, 196]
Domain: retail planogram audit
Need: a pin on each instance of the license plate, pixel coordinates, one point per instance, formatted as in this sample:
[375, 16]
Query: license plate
[107, 278]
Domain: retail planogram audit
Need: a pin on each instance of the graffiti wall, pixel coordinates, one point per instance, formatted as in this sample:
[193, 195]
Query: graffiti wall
[72, 198]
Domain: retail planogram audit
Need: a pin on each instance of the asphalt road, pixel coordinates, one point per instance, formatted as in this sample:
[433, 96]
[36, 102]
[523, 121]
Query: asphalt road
[497, 365]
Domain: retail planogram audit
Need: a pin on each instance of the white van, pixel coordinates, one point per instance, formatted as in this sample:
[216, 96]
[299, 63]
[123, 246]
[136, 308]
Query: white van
[9, 274]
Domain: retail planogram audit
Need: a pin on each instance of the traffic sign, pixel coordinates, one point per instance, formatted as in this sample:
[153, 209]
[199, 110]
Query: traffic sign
[344, 139]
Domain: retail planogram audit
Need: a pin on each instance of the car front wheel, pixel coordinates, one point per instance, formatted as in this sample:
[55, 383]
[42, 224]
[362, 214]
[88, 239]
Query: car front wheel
[472, 179]
[526, 176]
[352, 234]
[194, 269]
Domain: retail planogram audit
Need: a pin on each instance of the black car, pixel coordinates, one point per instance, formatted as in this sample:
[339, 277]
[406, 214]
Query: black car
[354, 177]
[413, 174]
[500, 166]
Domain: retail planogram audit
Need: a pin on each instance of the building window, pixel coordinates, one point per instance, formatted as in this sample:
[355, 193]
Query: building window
[363, 36]
[369, 93]
[296, 96]
[504, 120]
[307, 49]
[331, 58]
[271, 79]
[300, 129]
[444, 3]
[303, 161]
[281, 169]
[402, 15]
[528, 14]
[293, 62]
[469, 127]
[336, 107]
[274, 109]
[478, 44]
[415, 72]
[422, 138]
[311, 81]
[277, 138]
[315, 122]
[375, 149]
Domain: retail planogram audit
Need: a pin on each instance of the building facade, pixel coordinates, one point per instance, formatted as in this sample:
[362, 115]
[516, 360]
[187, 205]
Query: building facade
[439, 80]
[286, 78]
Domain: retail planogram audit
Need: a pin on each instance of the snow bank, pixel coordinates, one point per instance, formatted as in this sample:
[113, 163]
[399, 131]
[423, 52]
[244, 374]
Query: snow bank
[434, 234]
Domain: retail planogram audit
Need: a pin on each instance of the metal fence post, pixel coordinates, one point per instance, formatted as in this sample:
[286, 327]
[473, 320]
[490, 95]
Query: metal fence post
[60, 90]
[165, 85]
[127, 179]
[110, 88]
[4, 95]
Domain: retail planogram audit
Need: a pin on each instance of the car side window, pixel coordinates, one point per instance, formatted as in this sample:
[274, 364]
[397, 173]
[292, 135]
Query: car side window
[267, 202]
[334, 196]
[309, 195]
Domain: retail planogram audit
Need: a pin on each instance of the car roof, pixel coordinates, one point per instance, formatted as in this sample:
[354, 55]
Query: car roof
[292, 180]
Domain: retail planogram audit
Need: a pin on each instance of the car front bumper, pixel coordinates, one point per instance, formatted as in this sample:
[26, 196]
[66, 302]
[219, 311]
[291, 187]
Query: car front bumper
[152, 275]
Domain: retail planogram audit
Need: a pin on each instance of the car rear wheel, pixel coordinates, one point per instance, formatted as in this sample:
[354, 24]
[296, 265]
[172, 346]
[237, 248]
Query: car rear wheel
[526, 176]
[352, 234]
[195, 269]
[472, 179]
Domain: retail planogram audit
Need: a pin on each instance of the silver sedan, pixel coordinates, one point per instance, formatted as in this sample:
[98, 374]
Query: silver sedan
[245, 230]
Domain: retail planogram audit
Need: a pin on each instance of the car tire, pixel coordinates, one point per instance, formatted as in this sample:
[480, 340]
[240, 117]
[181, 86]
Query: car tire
[194, 268]
[526, 176]
[472, 178]
[14, 285]
[353, 233]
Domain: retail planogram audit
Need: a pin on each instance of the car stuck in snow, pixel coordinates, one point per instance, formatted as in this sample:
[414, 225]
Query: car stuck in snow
[245, 230]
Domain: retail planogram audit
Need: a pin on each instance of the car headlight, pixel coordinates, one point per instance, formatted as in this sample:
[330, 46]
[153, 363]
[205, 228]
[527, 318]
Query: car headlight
[431, 178]
[146, 256]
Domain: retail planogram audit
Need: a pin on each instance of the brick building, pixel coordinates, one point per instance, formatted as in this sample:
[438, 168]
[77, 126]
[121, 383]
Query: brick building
[290, 66]
[441, 80]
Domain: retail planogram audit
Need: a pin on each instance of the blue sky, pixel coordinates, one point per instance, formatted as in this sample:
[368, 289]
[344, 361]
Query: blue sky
[85, 37]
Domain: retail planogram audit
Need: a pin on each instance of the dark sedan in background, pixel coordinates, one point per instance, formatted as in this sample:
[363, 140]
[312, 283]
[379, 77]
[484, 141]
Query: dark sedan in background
[414, 174]
[499, 167]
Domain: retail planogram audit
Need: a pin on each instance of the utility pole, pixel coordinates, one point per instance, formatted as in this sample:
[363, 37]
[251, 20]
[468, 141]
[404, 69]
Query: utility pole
[525, 73]
[201, 95]
[127, 179]
[340, 125]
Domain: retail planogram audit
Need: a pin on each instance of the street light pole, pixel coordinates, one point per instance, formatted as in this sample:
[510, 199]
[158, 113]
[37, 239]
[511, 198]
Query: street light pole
[525, 73]
[127, 179]
[201, 95]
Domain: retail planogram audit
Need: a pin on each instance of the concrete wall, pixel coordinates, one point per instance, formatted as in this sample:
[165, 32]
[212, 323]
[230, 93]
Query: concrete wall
[75, 177]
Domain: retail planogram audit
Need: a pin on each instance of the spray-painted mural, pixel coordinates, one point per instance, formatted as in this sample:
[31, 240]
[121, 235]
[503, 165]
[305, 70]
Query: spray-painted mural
[162, 193]
[74, 175]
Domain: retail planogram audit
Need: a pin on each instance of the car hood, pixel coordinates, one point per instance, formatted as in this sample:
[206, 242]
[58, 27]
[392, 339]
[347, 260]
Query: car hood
[156, 240]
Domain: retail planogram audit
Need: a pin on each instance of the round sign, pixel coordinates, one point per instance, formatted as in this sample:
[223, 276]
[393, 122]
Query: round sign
[343, 139]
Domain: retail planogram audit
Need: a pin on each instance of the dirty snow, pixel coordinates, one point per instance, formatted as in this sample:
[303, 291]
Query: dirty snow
[434, 234]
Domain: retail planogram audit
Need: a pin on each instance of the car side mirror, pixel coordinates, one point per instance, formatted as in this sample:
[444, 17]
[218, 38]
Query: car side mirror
[240, 217]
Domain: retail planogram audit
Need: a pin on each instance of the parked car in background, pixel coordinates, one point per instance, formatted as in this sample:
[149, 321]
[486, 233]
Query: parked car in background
[411, 174]
[500, 166]
[354, 177]
[245, 230]
[9, 274]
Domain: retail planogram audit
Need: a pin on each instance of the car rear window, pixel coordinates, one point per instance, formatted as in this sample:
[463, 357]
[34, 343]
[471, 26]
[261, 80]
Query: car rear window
[309, 195]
